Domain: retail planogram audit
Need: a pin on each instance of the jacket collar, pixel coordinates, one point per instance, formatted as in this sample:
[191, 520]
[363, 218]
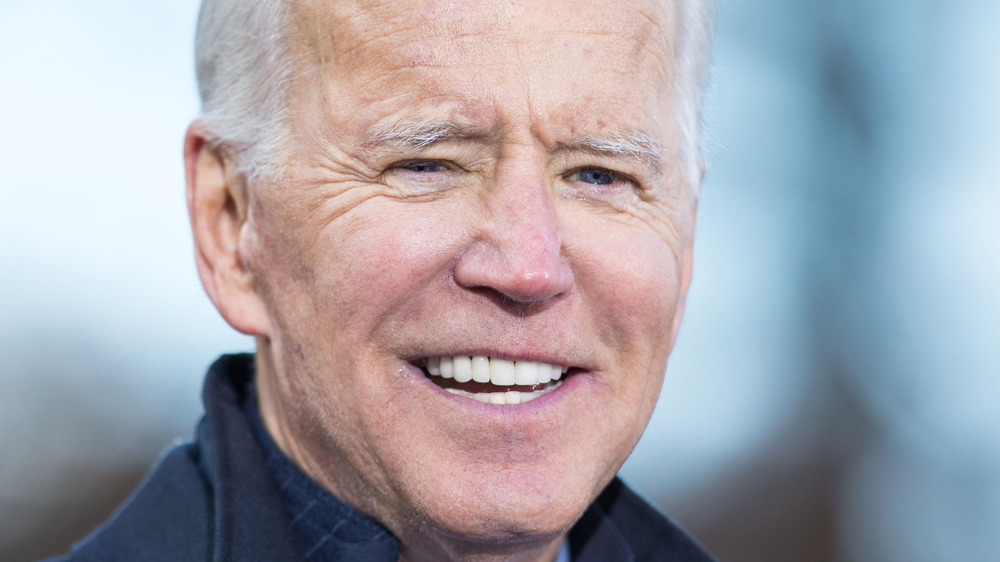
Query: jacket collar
[250, 519]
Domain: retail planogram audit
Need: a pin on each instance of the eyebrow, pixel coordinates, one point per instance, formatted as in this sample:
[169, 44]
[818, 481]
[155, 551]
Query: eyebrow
[623, 144]
[420, 134]
[413, 134]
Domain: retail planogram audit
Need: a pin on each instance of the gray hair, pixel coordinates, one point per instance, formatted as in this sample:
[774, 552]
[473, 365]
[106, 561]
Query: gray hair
[694, 57]
[245, 68]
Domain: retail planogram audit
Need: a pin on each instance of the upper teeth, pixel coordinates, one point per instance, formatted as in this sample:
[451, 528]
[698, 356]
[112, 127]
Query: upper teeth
[500, 372]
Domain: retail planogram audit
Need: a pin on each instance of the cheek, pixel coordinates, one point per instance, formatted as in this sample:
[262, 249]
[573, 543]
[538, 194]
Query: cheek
[363, 266]
[632, 281]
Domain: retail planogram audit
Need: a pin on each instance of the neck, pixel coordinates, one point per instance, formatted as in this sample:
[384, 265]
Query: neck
[428, 550]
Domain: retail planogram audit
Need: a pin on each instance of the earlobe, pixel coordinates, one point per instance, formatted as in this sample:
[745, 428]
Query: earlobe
[217, 201]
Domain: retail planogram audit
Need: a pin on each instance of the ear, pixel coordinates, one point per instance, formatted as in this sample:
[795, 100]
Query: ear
[217, 200]
[687, 267]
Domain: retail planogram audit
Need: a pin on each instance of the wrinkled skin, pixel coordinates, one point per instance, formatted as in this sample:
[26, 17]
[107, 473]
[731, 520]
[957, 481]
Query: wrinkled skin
[507, 239]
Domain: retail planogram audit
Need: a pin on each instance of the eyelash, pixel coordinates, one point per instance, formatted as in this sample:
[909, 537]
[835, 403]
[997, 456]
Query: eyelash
[611, 175]
[442, 166]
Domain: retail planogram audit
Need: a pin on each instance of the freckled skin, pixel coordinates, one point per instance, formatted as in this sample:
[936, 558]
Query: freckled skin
[364, 263]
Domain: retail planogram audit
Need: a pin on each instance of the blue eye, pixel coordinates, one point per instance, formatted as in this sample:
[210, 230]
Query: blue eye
[424, 167]
[596, 176]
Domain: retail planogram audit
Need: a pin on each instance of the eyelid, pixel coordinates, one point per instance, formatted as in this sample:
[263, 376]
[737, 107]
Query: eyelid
[449, 166]
[644, 189]
[407, 182]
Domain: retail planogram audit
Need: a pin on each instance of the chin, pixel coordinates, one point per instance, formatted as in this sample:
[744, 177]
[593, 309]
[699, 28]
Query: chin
[506, 507]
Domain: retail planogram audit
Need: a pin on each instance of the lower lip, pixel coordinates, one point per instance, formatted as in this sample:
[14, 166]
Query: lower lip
[570, 382]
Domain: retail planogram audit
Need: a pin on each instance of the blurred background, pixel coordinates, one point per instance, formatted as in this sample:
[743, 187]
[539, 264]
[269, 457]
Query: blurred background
[834, 392]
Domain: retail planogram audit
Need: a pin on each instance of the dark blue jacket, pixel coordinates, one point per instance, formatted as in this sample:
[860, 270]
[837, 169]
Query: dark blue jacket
[214, 499]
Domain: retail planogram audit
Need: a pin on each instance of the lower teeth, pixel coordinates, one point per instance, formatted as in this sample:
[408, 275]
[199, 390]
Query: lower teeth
[509, 397]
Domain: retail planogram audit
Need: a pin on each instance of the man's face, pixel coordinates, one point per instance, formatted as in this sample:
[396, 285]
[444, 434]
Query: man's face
[472, 179]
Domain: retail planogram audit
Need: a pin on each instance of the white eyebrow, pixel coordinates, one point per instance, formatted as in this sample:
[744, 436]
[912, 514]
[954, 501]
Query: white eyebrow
[418, 134]
[631, 145]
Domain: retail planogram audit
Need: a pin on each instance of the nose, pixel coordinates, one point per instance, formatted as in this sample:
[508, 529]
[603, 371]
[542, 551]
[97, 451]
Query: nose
[518, 248]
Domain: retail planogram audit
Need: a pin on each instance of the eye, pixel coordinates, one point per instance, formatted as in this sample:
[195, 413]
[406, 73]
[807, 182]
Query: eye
[424, 166]
[599, 184]
[595, 176]
[416, 177]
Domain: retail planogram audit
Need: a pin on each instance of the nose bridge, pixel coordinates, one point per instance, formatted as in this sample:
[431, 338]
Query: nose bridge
[519, 253]
[526, 226]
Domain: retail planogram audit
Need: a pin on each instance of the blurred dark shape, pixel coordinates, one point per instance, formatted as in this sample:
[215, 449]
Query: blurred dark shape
[85, 429]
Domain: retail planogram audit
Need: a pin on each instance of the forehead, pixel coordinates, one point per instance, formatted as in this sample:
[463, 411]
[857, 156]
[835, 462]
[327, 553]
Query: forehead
[582, 64]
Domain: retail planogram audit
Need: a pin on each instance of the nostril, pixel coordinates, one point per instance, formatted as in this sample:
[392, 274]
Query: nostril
[514, 305]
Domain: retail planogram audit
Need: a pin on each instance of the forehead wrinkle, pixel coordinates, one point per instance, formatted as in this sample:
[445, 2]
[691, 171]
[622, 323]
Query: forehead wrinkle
[342, 28]
[661, 38]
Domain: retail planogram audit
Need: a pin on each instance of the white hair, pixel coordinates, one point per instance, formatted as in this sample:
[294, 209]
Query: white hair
[245, 69]
[694, 58]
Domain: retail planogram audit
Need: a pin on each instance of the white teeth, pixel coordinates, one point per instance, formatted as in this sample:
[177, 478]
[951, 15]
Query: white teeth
[525, 373]
[481, 368]
[462, 368]
[465, 375]
[447, 368]
[509, 397]
[501, 372]
[545, 372]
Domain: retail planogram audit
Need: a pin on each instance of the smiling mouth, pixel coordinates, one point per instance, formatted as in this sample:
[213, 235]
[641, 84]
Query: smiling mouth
[494, 381]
